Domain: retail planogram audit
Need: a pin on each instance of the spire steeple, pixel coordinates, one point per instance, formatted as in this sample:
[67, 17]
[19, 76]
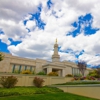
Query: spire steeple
[55, 56]
[56, 41]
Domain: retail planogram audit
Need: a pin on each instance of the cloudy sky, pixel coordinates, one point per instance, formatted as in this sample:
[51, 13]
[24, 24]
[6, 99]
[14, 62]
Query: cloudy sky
[28, 28]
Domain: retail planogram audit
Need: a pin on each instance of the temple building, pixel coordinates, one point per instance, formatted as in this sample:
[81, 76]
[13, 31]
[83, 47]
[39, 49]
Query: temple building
[11, 64]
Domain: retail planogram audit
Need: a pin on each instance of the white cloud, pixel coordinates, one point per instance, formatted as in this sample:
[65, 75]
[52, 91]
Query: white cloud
[67, 56]
[4, 39]
[31, 25]
[39, 43]
[12, 29]
[90, 59]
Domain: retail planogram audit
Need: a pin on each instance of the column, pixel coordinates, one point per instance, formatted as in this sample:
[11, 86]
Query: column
[13, 68]
[19, 69]
[49, 69]
[31, 68]
[25, 67]
[63, 72]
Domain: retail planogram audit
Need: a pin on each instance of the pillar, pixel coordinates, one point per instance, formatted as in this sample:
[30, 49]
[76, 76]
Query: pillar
[49, 69]
[63, 72]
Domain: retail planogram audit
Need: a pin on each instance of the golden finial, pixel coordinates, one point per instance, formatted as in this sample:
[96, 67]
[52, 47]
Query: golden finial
[56, 40]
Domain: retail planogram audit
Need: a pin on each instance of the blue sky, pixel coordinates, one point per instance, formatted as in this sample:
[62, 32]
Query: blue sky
[29, 29]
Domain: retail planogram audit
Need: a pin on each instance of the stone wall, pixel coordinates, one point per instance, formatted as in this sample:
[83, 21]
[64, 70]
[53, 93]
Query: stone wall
[27, 80]
[92, 91]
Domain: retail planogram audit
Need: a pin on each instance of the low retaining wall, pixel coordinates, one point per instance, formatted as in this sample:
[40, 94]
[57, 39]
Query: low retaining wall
[92, 91]
[27, 80]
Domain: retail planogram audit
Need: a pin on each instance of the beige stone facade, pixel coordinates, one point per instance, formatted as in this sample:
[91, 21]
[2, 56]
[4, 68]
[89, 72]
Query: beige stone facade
[13, 63]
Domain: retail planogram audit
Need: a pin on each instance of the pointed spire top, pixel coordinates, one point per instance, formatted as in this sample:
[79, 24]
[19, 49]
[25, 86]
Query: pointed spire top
[56, 40]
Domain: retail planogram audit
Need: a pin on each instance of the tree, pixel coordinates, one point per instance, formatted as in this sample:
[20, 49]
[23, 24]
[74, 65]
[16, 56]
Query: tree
[1, 56]
[98, 70]
[82, 67]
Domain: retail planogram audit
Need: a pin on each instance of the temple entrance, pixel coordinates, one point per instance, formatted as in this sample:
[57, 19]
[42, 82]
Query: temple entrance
[59, 71]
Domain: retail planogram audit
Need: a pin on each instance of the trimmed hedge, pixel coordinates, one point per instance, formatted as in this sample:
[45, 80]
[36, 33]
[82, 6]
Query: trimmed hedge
[80, 83]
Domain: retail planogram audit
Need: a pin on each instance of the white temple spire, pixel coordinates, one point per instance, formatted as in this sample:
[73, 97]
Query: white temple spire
[55, 56]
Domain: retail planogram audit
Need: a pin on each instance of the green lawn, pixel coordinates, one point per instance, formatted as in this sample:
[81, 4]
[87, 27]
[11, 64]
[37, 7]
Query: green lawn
[48, 96]
[33, 93]
[27, 91]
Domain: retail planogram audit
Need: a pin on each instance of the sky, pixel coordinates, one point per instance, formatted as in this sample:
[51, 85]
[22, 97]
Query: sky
[29, 28]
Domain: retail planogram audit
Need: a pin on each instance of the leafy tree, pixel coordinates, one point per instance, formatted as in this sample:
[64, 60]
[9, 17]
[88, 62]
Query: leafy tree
[98, 70]
[1, 56]
[82, 67]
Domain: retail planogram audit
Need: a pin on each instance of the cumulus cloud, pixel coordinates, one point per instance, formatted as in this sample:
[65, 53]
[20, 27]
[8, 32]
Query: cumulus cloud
[4, 39]
[38, 43]
[31, 25]
[12, 29]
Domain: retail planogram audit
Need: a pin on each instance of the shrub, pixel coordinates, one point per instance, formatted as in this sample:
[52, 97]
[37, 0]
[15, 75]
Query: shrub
[69, 75]
[33, 72]
[53, 74]
[8, 81]
[98, 79]
[90, 78]
[76, 78]
[94, 73]
[41, 73]
[26, 72]
[82, 78]
[38, 82]
[77, 75]
[16, 71]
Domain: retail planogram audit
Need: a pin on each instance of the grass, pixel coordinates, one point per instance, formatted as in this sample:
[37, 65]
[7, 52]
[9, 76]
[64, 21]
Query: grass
[33, 93]
[48, 96]
[27, 91]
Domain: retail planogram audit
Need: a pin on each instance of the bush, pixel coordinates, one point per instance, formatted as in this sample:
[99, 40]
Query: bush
[76, 78]
[69, 75]
[8, 81]
[33, 72]
[82, 78]
[98, 79]
[26, 72]
[77, 75]
[53, 74]
[41, 73]
[94, 73]
[38, 82]
[16, 71]
[90, 78]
